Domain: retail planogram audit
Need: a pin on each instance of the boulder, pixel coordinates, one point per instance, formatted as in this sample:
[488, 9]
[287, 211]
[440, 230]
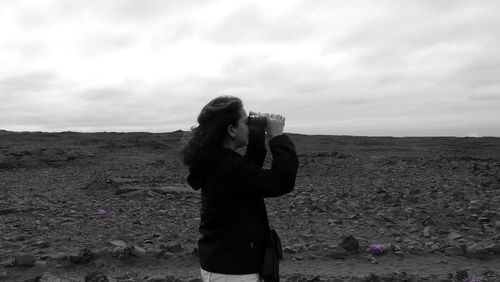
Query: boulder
[350, 244]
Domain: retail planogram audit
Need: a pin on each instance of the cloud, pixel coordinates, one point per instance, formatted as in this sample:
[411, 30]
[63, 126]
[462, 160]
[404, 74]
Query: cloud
[100, 42]
[329, 66]
[251, 24]
[36, 81]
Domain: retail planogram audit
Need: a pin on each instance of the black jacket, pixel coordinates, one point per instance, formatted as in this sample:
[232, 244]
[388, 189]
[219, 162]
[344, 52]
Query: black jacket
[234, 219]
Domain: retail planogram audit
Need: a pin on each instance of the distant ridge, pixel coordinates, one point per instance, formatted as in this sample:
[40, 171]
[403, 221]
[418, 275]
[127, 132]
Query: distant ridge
[180, 132]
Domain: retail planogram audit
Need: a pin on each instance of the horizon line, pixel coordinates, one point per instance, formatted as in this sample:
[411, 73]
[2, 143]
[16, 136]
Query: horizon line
[180, 130]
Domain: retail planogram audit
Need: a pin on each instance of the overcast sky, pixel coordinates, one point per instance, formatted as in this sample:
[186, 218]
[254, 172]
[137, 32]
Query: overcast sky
[373, 68]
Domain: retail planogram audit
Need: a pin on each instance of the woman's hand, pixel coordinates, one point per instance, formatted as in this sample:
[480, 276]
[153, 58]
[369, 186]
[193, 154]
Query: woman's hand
[275, 125]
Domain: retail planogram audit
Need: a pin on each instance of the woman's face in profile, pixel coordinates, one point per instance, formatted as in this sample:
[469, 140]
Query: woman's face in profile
[241, 132]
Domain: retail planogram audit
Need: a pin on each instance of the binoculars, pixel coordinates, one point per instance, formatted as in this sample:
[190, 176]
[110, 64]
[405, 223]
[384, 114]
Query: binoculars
[256, 120]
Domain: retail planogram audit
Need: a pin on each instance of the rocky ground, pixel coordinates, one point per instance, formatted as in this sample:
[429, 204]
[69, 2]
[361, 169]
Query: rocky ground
[116, 207]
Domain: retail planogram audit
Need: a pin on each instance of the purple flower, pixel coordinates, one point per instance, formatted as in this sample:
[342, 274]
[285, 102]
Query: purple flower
[377, 248]
[475, 278]
[67, 222]
[101, 211]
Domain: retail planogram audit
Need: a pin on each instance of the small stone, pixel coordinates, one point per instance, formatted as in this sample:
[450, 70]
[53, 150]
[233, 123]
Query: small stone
[102, 253]
[435, 247]
[398, 250]
[337, 253]
[497, 224]
[138, 251]
[372, 260]
[41, 263]
[454, 251]
[483, 219]
[313, 257]
[8, 263]
[83, 255]
[427, 232]
[297, 257]
[289, 250]
[195, 252]
[494, 248]
[118, 243]
[49, 277]
[119, 252]
[60, 256]
[7, 211]
[158, 278]
[453, 236]
[41, 244]
[96, 276]
[15, 238]
[166, 255]
[461, 275]
[196, 279]
[172, 247]
[24, 260]
[476, 251]
[428, 221]
[317, 246]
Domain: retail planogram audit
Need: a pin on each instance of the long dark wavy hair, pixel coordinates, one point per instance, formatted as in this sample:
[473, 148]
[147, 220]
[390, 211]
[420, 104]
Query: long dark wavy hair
[206, 140]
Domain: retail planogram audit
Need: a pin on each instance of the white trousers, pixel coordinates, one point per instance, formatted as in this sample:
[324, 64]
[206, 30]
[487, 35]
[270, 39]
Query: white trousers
[218, 277]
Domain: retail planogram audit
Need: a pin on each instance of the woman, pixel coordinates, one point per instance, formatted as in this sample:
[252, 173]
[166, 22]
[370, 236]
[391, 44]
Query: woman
[234, 221]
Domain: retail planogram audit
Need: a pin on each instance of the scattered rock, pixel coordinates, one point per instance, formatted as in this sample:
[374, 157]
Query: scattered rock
[15, 238]
[350, 244]
[24, 260]
[428, 221]
[476, 251]
[102, 185]
[297, 257]
[174, 247]
[453, 236]
[289, 250]
[118, 243]
[427, 232]
[494, 248]
[49, 277]
[138, 251]
[41, 244]
[195, 252]
[160, 278]
[337, 253]
[372, 260]
[454, 250]
[119, 252]
[96, 276]
[60, 256]
[166, 255]
[7, 211]
[461, 275]
[483, 219]
[81, 256]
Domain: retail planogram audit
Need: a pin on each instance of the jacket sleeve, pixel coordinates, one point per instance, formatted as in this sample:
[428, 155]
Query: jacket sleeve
[256, 148]
[279, 180]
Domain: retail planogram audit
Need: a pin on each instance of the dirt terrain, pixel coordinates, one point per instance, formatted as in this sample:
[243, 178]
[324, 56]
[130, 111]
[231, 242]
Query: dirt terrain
[116, 207]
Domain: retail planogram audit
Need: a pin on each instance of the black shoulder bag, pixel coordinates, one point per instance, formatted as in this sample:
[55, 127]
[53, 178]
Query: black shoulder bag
[272, 255]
